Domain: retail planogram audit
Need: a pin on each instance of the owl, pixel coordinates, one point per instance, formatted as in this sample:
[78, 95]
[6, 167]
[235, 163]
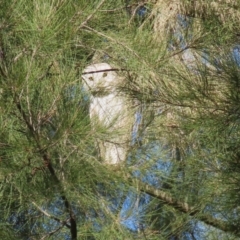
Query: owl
[110, 112]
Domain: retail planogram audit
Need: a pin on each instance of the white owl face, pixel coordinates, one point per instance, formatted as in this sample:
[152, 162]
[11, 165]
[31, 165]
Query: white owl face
[97, 77]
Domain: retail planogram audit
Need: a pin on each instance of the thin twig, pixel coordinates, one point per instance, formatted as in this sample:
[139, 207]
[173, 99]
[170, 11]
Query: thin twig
[19, 55]
[141, 4]
[51, 233]
[106, 70]
[46, 73]
[91, 15]
[50, 216]
[27, 87]
[119, 43]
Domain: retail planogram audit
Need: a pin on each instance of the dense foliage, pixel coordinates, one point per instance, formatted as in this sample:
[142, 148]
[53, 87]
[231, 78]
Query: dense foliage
[181, 65]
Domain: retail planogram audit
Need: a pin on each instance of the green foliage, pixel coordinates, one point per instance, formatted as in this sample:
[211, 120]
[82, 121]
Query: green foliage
[52, 184]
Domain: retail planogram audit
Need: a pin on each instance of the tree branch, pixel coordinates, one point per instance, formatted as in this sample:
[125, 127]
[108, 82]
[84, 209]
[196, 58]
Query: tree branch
[50, 216]
[51, 233]
[48, 165]
[184, 207]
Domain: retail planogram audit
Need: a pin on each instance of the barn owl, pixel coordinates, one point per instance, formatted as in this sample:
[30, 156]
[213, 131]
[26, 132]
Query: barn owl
[109, 110]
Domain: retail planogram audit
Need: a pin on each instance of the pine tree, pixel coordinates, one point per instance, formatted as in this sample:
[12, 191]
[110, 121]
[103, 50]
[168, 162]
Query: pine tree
[180, 62]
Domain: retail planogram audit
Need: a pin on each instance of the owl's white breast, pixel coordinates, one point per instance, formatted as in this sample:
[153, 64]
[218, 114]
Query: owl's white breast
[109, 109]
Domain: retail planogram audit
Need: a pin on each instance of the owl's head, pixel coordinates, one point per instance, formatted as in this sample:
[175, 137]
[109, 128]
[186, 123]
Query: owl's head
[99, 77]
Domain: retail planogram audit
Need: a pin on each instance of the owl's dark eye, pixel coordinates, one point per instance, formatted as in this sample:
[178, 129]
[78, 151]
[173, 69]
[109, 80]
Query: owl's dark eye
[90, 78]
[104, 74]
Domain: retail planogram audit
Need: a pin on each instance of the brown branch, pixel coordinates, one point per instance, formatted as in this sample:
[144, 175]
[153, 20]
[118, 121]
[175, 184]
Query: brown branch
[24, 116]
[46, 73]
[51, 233]
[167, 199]
[48, 165]
[72, 218]
[106, 70]
[73, 223]
[184, 207]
